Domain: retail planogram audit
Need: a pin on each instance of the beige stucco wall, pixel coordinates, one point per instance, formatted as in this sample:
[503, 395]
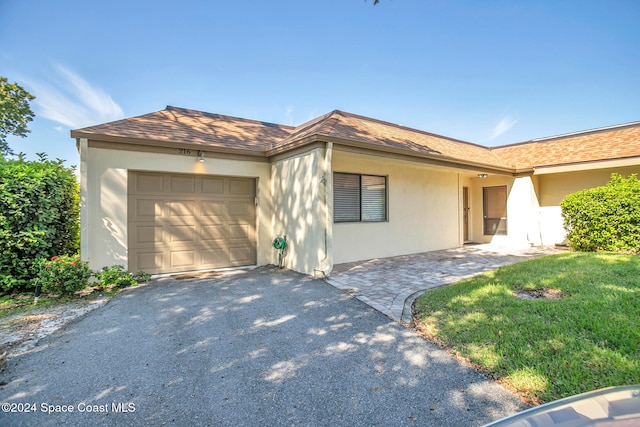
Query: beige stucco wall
[104, 182]
[553, 187]
[423, 210]
[298, 189]
[533, 204]
[522, 211]
[295, 199]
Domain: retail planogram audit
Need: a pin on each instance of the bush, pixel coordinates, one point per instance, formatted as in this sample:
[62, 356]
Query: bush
[39, 217]
[604, 218]
[62, 275]
[118, 277]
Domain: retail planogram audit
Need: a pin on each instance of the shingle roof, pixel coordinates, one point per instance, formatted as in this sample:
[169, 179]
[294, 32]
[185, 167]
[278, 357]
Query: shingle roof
[179, 125]
[384, 135]
[213, 131]
[614, 142]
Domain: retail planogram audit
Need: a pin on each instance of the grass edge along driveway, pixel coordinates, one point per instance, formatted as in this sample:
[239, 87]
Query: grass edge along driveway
[545, 328]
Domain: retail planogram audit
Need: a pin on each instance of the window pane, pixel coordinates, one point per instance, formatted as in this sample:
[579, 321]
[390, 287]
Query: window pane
[374, 194]
[346, 197]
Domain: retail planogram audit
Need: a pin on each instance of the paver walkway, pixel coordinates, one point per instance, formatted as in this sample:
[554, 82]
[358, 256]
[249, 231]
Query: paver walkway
[390, 285]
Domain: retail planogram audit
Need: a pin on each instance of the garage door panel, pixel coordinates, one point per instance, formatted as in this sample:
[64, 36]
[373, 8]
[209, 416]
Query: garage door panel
[240, 187]
[213, 233]
[212, 185]
[183, 184]
[146, 209]
[216, 256]
[182, 233]
[148, 235]
[241, 209]
[241, 255]
[240, 232]
[211, 208]
[181, 208]
[183, 259]
[148, 183]
[188, 222]
[150, 262]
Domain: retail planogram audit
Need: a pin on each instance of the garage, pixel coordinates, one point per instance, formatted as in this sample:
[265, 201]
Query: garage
[180, 222]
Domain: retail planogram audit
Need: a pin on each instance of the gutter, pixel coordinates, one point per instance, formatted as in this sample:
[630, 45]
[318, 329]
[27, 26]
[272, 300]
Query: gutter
[374, 148]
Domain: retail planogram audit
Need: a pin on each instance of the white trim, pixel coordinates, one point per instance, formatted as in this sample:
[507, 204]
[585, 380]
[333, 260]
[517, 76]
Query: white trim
[585, 166]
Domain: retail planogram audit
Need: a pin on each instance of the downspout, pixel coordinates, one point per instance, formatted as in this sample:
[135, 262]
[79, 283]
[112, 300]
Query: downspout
[327, 262]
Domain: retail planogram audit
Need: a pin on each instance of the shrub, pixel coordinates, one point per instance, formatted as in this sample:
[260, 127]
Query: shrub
[142, 277]
[62, 275]
[604, 218]
[39, 217]
[118, 277]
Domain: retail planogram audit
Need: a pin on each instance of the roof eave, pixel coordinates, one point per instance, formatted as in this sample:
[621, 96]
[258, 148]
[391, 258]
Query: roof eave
[444, 160]
[260, 152]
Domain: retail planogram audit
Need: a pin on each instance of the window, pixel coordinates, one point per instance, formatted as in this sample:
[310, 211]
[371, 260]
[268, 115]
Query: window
[494, 210]
[359, 198]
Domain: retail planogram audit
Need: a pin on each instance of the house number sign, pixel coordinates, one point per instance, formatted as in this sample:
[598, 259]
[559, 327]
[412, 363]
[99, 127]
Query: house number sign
[184, 151]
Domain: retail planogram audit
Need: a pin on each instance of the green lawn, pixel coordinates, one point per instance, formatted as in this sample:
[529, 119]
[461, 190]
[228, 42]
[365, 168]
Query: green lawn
[19, 303]
[544, 349]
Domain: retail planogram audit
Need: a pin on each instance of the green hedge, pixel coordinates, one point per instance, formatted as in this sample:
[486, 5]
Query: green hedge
[39, 217]
[604, 218]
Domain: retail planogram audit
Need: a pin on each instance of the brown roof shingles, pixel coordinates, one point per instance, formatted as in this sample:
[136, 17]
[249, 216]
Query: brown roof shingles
[604, 144]
[350, 127]
[183, 126]
[178, 125]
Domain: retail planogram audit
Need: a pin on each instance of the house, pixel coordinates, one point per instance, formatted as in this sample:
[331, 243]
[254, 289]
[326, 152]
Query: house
[181, 190]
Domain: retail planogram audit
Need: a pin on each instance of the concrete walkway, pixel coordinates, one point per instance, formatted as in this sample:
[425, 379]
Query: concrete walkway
[390, 285]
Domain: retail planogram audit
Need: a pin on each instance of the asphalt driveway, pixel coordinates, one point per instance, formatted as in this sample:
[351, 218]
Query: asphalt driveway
[258, 347]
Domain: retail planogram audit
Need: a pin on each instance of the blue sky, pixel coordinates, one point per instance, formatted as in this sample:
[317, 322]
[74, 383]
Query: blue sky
[488, 72]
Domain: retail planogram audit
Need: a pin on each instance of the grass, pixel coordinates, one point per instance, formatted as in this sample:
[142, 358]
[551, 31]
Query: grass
[23, 302]
[544, 349]
[20, 303]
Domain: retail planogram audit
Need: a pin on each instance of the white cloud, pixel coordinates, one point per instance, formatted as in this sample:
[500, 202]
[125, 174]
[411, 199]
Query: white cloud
[505, 123]
[70, 100]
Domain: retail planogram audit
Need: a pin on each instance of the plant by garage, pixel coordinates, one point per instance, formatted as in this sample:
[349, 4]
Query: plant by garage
[116, 276]
[62, 275]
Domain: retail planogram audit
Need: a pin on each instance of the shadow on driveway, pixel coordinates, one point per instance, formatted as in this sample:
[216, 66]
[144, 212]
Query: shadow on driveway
[258, 347]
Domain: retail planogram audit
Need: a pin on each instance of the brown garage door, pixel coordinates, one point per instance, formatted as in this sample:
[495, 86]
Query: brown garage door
[190, 222]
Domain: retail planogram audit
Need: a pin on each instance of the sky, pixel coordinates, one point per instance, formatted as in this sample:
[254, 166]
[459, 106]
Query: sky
[487, 72]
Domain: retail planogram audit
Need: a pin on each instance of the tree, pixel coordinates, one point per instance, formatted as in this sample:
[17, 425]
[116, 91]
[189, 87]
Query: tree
[15, 113]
